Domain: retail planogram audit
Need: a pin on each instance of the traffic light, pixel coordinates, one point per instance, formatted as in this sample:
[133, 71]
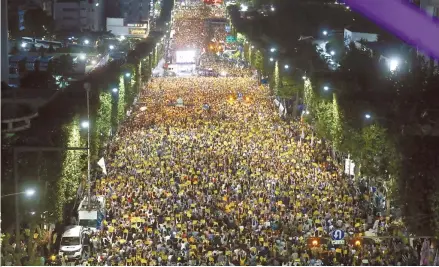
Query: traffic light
[313, 242]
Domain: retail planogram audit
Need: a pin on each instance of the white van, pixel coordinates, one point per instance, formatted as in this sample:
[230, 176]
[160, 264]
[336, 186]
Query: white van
[72, 242]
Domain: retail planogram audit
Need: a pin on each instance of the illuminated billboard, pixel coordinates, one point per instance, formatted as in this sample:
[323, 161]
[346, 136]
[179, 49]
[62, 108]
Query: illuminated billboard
[137, 31]
[187, 56]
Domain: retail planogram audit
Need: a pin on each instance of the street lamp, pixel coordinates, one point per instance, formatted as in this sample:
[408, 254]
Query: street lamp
[286, 66]
[111, 47]
[28, 192]
[271, 59]
[86, 42]
[326, 88]
[273, 9]
[253, 46]
[127, 74]
[23, 45]
[325, 33]
[393, 64]
[97, 4]
[367, 116]
[115, 90]
[272, 49]
[85, 124]
[332, 52]
[304, 77]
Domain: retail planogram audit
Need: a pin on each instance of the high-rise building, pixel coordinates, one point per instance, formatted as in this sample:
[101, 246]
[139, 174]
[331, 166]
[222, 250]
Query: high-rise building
[136, 11]
[75, 15]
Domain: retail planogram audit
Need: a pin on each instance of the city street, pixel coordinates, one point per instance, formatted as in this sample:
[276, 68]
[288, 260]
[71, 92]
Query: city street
[206, 173]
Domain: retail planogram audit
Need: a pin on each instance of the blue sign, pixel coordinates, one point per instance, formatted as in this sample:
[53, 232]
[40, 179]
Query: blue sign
[228, 28]
[338, 235]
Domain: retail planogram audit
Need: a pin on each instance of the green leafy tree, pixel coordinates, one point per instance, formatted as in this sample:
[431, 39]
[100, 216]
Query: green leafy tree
[259, 61]
[418, 184]
[63, 67]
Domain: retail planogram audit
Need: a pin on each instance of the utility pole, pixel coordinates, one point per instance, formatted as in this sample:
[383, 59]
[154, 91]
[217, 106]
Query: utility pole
[5, 41]
[87, 87]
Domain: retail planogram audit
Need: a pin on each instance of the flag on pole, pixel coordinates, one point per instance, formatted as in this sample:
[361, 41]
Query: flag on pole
[101, 164]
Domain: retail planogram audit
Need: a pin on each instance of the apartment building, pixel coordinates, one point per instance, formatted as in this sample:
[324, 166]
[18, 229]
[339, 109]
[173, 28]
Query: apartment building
[136, 11]
[76, 15]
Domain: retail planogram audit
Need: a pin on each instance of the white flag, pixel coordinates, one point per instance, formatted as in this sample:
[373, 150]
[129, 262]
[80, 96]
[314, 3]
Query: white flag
[101, 164]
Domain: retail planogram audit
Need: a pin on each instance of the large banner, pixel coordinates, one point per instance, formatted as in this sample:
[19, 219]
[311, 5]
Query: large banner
[187, 57]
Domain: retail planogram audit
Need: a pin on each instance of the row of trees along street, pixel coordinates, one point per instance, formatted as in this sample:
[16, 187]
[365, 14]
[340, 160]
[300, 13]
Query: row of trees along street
[383, 119]
[58, 176]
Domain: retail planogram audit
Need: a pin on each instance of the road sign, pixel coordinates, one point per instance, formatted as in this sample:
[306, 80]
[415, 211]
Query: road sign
[230, 39]
[337, 242]
[338, 235]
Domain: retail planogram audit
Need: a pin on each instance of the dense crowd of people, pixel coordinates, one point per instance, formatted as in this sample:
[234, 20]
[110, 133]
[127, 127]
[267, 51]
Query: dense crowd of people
[208, 174]
[205, 172]
[224, 66]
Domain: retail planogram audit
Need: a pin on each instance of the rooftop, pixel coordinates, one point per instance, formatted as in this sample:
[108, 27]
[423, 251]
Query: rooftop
[365, 26]
[383, 48]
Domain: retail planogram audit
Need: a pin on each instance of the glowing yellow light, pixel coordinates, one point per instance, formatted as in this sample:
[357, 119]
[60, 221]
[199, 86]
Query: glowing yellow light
[358, 243]
[315, 242]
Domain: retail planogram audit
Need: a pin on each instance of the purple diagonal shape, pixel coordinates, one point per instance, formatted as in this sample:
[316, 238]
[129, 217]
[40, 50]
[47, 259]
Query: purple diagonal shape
[403, 20]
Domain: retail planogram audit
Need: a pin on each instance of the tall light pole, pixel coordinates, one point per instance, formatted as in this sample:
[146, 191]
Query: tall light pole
[87, 87]
[4, 40]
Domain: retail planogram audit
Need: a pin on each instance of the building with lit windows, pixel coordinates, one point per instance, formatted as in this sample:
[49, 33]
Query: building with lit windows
[76, 15]
[136, 11]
